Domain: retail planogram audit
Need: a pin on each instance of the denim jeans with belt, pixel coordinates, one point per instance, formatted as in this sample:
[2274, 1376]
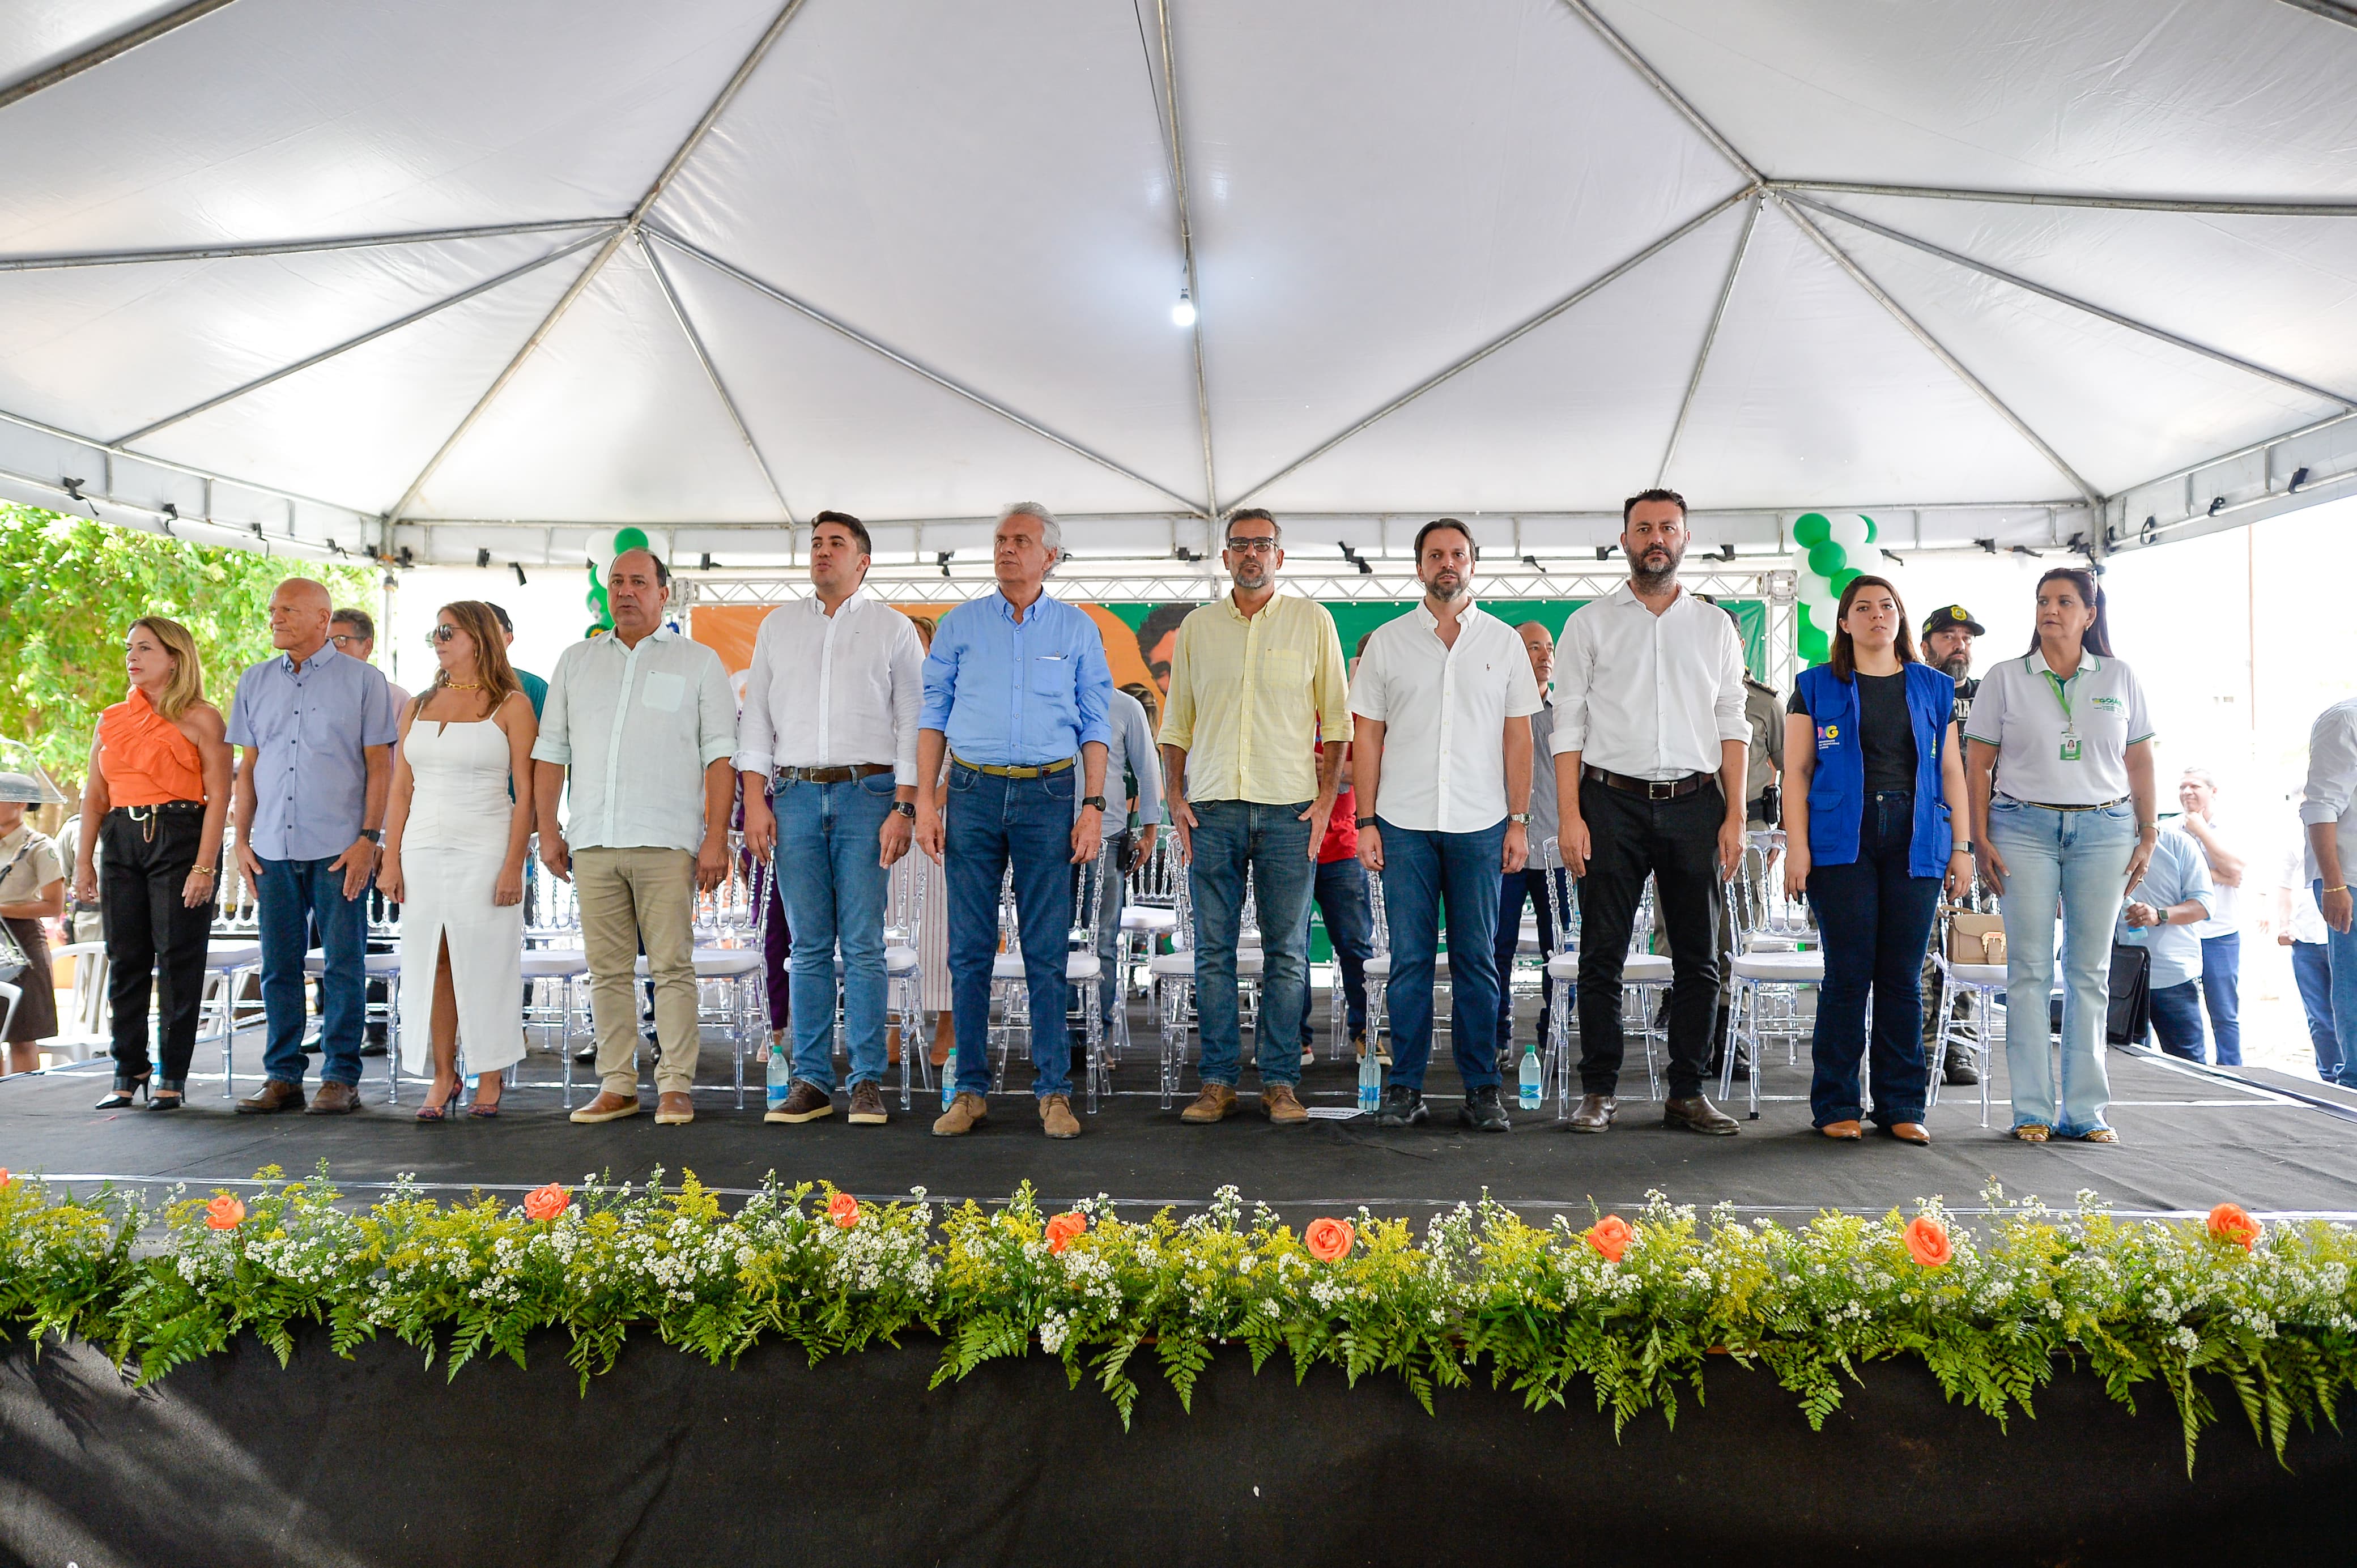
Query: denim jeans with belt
[993, 824]
[1420, 871]
[2221, 986]
[291, 895]
[829, 873]
[1234, 840]
[2080, 858]
[1876, 918]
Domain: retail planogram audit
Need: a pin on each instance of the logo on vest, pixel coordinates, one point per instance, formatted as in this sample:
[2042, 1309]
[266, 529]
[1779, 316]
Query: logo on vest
[1828, 737]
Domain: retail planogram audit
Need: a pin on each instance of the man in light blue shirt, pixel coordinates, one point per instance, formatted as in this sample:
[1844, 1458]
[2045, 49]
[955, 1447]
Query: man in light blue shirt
[1133, 777]
[2161, 911]
[315, 729]
[1016, 694]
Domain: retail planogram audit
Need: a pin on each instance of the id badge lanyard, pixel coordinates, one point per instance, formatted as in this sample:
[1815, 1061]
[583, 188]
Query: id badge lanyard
[2070, 727]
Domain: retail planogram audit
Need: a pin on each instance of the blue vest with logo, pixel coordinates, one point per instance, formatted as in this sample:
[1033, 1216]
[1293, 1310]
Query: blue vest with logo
[1837, 788]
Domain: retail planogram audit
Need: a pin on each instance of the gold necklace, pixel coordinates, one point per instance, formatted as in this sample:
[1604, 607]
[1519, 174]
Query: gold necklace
[464, 685]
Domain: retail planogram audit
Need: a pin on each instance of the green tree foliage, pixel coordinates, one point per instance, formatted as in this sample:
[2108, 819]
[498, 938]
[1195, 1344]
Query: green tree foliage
[71, 587]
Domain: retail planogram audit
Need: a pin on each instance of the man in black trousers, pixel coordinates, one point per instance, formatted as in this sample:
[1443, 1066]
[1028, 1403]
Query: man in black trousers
[1650, 743]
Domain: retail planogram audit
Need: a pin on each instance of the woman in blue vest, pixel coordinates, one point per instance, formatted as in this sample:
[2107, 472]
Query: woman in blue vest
[1877, 778]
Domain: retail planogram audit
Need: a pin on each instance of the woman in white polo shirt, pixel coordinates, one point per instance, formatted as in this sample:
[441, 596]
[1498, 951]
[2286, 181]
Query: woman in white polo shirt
[2071, 817]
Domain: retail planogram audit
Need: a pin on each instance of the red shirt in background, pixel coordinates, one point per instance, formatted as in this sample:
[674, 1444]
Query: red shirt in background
[1341, 831]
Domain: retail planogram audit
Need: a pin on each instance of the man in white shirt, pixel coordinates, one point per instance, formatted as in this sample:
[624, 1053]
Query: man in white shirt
[830, 736]
[2299, 926]
[1441, 758]
[642, 721]
[2328, 806]
[2222, 931]
[1649, 742]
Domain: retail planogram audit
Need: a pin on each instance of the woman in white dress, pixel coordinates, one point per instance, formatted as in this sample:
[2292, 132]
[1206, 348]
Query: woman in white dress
[455, 842]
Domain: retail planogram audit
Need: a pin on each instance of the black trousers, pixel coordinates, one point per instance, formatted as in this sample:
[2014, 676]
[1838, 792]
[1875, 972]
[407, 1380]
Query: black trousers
[149, 927]
[1677, 844]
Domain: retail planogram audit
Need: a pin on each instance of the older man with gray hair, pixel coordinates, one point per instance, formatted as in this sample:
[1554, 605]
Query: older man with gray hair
[1015, 691]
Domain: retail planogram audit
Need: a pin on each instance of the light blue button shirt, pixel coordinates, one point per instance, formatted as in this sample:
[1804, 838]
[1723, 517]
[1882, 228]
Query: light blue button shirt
[2179, 871]
[1016, 694]
[1130, 751]
[310, 730]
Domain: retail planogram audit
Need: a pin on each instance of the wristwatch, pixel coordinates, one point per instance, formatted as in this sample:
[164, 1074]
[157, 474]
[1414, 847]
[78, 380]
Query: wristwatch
[1096, 800]
[905, 808]
[1522, 817]
[1366, 821]
[375, 835]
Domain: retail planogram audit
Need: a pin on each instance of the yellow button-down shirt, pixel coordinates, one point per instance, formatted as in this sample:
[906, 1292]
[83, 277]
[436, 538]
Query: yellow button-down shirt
[1251, 696]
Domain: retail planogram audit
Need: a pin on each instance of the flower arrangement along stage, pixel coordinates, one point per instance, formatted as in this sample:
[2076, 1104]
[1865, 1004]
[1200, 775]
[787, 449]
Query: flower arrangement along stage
[1636, 1304]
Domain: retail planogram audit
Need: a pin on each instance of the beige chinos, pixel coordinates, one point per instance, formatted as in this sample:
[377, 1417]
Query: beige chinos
[629, 897]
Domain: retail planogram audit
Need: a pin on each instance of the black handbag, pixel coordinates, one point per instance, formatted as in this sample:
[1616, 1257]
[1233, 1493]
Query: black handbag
[2128, 1019]
[12, 961]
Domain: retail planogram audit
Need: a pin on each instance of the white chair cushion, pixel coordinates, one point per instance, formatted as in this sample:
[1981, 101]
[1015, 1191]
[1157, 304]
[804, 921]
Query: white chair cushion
[1772, 944]
[554, 962]
[1645, 969]
[1180, 965]
[1988, 974]
[1148, 917]
[1782, 968]
[1080, 966]
[377, 965]
[232, 955]
[1564, 966]
[716, 964]
[898, 959]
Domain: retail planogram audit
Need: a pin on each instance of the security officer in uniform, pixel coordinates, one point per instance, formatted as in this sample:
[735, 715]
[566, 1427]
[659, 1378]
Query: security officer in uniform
[1947, 642]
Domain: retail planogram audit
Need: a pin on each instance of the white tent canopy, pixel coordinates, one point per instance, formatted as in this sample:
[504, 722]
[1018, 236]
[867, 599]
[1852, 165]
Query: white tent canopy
[483, 282]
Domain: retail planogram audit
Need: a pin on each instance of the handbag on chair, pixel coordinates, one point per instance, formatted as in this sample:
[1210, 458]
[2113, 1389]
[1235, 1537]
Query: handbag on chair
[2128, 1018]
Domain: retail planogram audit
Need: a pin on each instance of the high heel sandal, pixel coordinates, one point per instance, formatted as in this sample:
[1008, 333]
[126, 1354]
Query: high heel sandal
[168, 1094]
[479, 1109]
[125, 1091]
[432, 1113]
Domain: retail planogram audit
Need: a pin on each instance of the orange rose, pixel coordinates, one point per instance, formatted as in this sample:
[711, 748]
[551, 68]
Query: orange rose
[1610, 1236]
[1063, 1228]
[1927, 1242]
[2229, 1223]
[224, 1213]
[546, 1202]
[5, 1177]
[1330, 1241]
[844, 1209]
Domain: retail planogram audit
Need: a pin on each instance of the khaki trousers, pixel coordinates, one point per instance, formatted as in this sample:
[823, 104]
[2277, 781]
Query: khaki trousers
[629, 897]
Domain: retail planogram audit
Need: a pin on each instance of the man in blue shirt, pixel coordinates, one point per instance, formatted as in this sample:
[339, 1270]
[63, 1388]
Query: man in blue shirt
[1016, 692]
[2162, 912]
[315, 729]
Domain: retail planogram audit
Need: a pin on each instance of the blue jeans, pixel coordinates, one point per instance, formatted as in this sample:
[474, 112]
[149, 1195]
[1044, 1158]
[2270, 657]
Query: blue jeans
[1341, 896]
[292, 895]
[2312, 969]
[2340, 950]
[1877, 921]
[1233, 840]
[2176, 1018]
[1421, 870]
[829, 875]
[995, 822]
[1528, 883]
[2079, 859]
[2221, 985]
[1116, 893]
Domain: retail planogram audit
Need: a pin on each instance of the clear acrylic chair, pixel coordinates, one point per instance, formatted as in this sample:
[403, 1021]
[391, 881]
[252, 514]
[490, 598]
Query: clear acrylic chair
[1010, 984]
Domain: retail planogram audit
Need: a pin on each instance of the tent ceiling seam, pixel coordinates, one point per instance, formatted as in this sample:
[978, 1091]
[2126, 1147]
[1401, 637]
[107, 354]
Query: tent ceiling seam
[614, 242]
[1601, 280]
[99, 54]
[1187, 258]
[2226, 208]
[324, 354]
[296, 247]
[1709, 337]
[770, 291]
[2114, 317]
[712, 372]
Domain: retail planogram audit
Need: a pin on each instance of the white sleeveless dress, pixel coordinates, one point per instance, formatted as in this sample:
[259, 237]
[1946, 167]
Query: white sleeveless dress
[451, 850]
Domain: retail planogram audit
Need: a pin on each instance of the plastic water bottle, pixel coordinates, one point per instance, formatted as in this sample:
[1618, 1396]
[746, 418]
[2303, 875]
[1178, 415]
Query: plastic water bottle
[949, 1080]
[1371, 1081]
[1532, 1075]
[782, 1075]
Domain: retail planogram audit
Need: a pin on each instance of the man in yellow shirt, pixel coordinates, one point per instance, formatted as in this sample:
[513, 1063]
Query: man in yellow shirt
[1256, 680]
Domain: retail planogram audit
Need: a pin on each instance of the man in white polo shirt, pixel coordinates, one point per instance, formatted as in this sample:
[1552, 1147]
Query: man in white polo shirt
[1649, 742]
[1442, 762]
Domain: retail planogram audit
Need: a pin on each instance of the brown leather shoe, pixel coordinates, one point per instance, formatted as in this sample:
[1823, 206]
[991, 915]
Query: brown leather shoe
[334, 1099]
[607, 1107]
[1217, 1102]
[866, 1104]
[1056, 1118]
[1845, 1131]
[1911, 1131]
[967, 1112]
[673, 1108]
[275, 1095]
[1282, 1106]
[804, 1101]
[1697, 1114]
[1595, 1114]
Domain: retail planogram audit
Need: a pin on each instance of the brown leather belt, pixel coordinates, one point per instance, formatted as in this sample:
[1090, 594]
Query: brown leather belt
[832, 775]
[997, 772]
[1651, 789]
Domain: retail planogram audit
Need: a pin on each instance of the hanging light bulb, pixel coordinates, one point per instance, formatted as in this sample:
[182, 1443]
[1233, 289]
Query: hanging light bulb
[1183, 313]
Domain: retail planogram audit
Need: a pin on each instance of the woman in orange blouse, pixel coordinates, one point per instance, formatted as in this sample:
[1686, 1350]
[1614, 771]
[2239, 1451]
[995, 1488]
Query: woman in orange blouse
[154, 802]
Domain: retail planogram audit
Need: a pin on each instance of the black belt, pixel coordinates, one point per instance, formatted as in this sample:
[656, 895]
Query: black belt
[2098, 806]
[1651, 789]
[847, 775]
[133, 812]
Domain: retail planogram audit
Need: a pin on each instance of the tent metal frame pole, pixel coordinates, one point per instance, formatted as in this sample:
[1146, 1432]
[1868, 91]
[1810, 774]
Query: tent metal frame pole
[295, 247]
[2070, 199]
[2247, 449]
[2058, 297]
[2331, 10]
[1186, 255]
[1609, 276]
[99, 54]
[1709, 337]
[614, 242]
[770, 291]
[350, 343]
[712, 372]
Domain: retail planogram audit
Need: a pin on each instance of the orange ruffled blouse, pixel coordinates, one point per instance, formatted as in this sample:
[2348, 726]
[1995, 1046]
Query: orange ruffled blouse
[144, 756]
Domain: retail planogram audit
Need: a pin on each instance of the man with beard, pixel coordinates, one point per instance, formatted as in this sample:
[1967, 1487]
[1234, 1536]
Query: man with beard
[1948, 634]
[1650, 744]
[1255, 680]
[1442, 763]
